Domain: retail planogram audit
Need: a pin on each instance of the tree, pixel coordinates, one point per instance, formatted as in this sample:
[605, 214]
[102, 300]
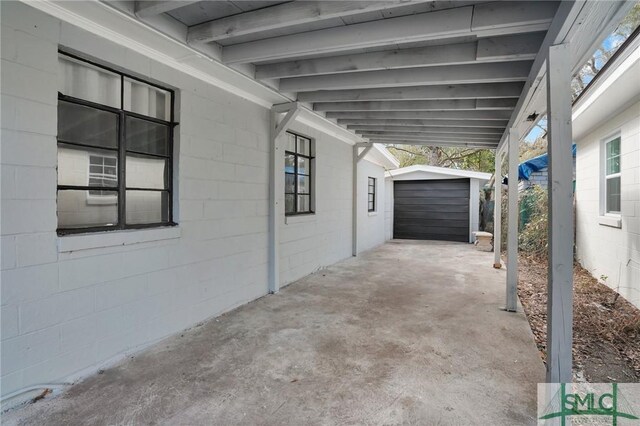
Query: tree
[460, 158]
[605, 51]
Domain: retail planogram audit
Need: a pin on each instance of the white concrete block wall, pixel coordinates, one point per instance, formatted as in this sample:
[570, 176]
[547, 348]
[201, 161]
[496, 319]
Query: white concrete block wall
[66, 312]
[607, 252]
[310, 242]
[371, 231]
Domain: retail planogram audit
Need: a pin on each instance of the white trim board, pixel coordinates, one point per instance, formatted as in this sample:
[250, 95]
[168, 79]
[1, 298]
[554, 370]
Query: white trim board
[440, 170]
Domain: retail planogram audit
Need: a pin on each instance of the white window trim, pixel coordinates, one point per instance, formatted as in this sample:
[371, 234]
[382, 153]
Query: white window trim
[612, 221]
[95, 240]
[608, 218]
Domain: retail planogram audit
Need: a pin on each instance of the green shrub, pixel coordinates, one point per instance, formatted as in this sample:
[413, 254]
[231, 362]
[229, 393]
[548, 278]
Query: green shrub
[532, 238]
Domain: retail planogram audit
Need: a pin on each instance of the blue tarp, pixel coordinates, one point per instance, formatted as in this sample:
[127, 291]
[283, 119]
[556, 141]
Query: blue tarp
[536, 163]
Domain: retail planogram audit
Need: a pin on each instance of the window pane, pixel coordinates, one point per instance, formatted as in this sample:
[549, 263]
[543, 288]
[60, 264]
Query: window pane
[86, 125]
[147, 207]
[146, 172]
[289, 204]
[370, 197]
[613, 156]
[80, 209]
[371, 206]
[303, 203]
[304, 166]
[84, 81]
[613, 148]
[290, 183]
[304, 184]
[146, 99]
[86, 167]
[145, 136]
[304, 146]
[290, 145]
[613, 165]
[613, 195]
[290, 163]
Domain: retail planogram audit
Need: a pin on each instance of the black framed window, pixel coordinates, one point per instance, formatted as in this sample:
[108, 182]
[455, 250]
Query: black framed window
[371, 194]
[298, 162]
[115, 149]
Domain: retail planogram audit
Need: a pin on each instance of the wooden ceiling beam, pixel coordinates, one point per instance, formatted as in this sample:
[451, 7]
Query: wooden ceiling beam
[528, 16]
[501, 115]
[493, 49]
[429, 105]
[425, 135]
[499, 124]
[429, 129]
[444, 92]
[148, 8]
[284, 15]
[448, 74]
[428, 142]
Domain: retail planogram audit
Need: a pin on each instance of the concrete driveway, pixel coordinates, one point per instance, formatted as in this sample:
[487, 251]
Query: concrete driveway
[408, 333]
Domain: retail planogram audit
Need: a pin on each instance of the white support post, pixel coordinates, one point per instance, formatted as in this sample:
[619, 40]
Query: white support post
[560, 217]
[276, 187]
[497, 212]
[354, 201]
[512, 223]
[357, 156]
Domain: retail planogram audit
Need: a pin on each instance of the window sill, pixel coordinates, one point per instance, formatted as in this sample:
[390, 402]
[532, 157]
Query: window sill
[70, 243]
[299, 218]
[373, 213]
[612, 221]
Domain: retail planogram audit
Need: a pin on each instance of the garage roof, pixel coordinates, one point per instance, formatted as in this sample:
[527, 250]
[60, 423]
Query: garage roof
[444, 171]
[440, 73]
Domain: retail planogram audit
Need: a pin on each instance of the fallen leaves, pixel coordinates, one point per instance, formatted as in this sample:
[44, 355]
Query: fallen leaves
[600, 316]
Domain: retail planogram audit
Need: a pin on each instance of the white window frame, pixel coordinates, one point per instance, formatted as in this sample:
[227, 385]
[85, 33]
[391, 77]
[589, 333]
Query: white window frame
[609, 218]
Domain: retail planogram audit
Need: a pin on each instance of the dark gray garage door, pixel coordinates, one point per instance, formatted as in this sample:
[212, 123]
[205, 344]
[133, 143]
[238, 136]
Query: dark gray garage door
[431, 209]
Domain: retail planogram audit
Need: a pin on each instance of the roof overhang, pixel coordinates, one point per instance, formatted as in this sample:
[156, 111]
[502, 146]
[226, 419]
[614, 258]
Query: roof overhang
[382, 157]
[437, 73]
[617, 88]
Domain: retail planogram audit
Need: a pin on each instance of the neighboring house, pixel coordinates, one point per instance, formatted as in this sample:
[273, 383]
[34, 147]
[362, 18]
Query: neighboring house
[433, 203]
[606, 130]
[534, 171]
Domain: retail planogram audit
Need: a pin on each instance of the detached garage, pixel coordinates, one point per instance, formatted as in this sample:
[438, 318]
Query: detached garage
[433, 203]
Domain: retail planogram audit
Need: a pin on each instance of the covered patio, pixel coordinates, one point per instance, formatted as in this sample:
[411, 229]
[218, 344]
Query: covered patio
[366, 341]
[406, 333]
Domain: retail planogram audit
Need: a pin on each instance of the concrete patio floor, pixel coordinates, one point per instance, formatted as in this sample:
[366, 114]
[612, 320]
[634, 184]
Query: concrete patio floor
[407, 333]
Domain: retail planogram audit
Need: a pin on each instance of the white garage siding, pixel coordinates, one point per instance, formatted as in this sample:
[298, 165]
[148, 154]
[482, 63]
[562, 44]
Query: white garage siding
[72, 303]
